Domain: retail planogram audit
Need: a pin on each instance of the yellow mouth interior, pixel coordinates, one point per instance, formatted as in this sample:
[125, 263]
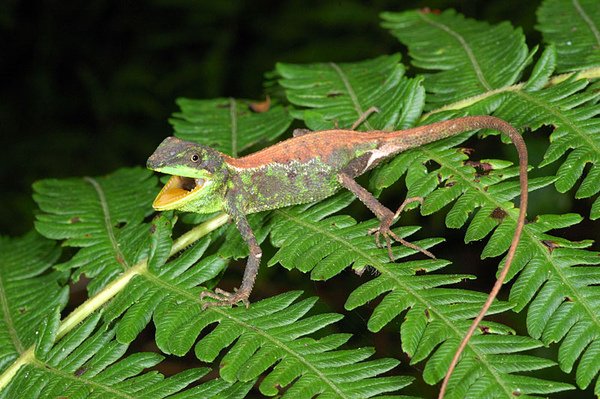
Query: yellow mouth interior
[177, 188]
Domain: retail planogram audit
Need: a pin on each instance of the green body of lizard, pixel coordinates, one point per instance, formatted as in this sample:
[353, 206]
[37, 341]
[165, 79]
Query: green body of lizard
[309, 167]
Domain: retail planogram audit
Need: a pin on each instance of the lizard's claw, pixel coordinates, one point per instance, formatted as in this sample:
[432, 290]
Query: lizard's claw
[225, 298]
[385, 231]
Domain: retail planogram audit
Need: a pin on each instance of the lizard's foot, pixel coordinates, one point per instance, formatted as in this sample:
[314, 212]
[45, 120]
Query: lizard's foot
[225, 298]
[385, 231]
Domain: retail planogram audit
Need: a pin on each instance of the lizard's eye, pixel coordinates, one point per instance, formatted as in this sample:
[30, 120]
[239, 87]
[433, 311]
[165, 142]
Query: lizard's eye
[195, 158]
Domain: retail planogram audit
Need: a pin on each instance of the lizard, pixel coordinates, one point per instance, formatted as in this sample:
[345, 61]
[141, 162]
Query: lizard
[309, 167]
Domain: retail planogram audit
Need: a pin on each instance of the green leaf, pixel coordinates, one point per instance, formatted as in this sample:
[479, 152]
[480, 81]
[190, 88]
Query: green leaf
[30, 293]
[227, 124]
[88, 363]
[325, 246]
[102, 215]
[340, 94]
[46, 335]
[463, 57]
[542, 70]
[273, 334]
[574, 28]
[572, 111]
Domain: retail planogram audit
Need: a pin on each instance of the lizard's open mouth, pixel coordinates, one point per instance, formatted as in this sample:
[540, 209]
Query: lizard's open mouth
[177, 188]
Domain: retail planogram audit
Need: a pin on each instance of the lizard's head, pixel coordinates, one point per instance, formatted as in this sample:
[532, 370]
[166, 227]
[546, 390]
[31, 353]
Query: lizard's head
[196, 169]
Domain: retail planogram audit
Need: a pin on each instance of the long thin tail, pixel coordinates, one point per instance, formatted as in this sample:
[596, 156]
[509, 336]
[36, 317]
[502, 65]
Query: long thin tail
[436, 131]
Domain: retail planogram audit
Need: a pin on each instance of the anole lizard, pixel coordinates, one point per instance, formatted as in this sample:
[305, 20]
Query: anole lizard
[308, 167]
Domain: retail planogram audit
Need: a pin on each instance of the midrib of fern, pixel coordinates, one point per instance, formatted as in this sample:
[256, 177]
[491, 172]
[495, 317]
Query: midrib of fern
[587, 20]
[561, 116]
[480, 77]
[108, 224]
[565, 281]
[357, 107]
[68, 376]
[268, 337]
[589, 73]
[108, 292]
[384, 270]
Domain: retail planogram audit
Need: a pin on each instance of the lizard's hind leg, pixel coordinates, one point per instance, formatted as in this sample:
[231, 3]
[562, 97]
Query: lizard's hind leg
[385, 216]
[388, 234]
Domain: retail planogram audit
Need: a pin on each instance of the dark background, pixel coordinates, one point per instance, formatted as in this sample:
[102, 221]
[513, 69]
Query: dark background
[86, 89]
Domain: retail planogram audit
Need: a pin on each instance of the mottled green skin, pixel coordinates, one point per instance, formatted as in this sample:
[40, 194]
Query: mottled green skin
[278, 185]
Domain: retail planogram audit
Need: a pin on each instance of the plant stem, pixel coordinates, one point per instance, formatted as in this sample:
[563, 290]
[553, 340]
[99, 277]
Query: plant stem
[590, 73]
[112, 289]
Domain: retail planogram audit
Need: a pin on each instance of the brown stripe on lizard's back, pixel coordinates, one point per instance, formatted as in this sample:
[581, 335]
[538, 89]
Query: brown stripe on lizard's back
[308, 146]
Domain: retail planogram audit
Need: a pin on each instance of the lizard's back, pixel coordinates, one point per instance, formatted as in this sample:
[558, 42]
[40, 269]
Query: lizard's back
[303, 169]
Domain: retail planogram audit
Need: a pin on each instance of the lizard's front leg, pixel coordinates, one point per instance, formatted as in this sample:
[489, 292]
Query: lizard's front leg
[386, 217]
[225, 298]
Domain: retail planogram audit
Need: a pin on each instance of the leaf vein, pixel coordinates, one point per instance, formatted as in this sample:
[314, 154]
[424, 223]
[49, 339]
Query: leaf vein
[465, 46]
[586, 18]
[357, 107]
[108, 223]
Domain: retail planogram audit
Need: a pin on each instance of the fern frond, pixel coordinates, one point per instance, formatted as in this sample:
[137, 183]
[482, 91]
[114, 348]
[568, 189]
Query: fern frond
[323, 244]
[339, 94]
[463, 57]
[561, 286]
[88, 363]
[574, 28]
[104, 216]
[271, 334]
[29, 291]
[227, 124]
[572, 111]
[311, 240]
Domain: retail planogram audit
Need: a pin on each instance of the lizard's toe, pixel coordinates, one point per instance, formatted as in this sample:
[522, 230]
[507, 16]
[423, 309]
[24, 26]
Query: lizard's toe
[225, 298]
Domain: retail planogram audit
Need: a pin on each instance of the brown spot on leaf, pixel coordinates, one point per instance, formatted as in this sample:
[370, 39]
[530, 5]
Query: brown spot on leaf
[427, 314]
[75, 219]
[498, 214]
[568, 299]
[79, 371]
[120, 259]
[335, 94]
[22, 309]
[551, 245]
[484, 329]
[420, 272]
[467, 150]
[152, 229]
[516, 393]
[482, 168]
[260, 106]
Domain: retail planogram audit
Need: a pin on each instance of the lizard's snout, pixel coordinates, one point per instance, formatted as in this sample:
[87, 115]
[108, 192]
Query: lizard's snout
[166, 152]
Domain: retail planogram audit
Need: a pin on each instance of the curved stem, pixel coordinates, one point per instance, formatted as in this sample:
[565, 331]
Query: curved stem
[108, 292]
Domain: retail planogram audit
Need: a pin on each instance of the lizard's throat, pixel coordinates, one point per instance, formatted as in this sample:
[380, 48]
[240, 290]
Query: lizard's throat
[177, 191]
